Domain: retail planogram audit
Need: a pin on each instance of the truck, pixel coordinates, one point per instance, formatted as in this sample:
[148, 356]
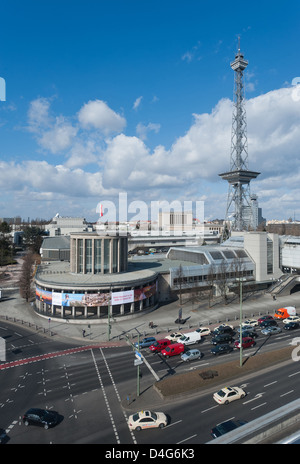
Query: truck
[283, 313]
[190, 338]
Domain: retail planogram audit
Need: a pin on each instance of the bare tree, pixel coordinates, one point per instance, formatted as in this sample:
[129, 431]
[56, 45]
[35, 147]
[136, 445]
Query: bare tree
[26, 277]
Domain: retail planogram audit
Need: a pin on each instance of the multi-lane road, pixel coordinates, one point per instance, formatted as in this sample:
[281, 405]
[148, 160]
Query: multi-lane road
[88, 388]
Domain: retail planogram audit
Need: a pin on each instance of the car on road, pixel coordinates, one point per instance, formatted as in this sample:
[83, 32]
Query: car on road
[41, 417]
[159, 345]
[203, 331]
[174, 337]
[221, 349]
[268, 323]
[221, 338]
[291, 319]
[227, 426]
[173, 350]
[247, 342]
[228, 394]
[145, 342]
[245, 327]
[265, 318]
[223, 329]
[271, 330]
[291, 326]
[191, 355]
[147, 420]
[249, 333]
[252, 322]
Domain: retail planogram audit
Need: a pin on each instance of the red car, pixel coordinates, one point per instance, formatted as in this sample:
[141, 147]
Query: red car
[160, 345]
[264, 318]
[247, 342]
[173, 350]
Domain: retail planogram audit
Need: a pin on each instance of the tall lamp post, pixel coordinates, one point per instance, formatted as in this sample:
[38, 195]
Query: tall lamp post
[241, 280]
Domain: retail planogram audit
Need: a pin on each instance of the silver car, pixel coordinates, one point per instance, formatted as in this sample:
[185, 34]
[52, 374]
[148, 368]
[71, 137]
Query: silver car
[191, 355]
[271, 330]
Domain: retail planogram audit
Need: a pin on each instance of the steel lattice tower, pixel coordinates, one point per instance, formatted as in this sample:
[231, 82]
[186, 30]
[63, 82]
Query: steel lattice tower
[239, 177]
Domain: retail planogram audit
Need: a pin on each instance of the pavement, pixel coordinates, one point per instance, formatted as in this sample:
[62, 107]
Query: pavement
[14, 308]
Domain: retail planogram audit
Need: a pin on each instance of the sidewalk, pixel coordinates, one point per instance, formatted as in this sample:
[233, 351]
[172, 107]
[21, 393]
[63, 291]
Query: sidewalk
[163, 318]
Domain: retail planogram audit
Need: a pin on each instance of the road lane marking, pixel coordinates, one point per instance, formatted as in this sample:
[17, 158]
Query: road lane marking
[272, 383]
[287, 393]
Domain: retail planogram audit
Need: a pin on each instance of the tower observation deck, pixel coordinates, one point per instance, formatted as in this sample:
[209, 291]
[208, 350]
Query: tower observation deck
[239, 176]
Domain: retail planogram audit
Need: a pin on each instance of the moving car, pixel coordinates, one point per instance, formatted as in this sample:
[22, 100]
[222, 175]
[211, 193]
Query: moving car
[247, 342]
[252, 322]
[147, 420]
[271, 330]
[41, 417]
[225, 427]
[223, 329]
[264, 318]
[222, 338]
[174, 336]
[191, 355]
[249, 333]
[159, 345]
[228, 394]
[173, 350]
[268, 323]
[145, 342]
[190, 338]
[291, 325]
[221, 349]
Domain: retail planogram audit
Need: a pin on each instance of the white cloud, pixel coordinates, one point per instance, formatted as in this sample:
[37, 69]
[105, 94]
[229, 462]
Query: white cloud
[96, 114]
[137, 103]
[142, 130]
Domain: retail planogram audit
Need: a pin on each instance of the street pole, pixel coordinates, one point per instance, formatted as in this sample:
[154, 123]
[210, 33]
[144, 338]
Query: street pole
[108, 317]
[138, 371]
[241, 318]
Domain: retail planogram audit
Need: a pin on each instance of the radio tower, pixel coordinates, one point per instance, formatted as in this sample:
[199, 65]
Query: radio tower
[239, 208]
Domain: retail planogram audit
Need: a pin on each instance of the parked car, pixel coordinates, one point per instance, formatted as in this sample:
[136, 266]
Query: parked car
[222, 338]
[221, 349]
[291, 326]
[191, 355]
[268, 323]
[174, 337]
[147, 420]
[271, 330]
[203, 331]
[228, 394]
[145, 342]
[41, 417]
[173, 350]
[247, 342]
[225, 427]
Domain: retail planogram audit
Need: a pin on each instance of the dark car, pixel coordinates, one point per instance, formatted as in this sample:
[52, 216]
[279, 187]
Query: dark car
[42, 417]
[223, 329]
[265, 318]
[291, 326]
[226, 427]
[222, 338]
[221, 349]
[268, 323]
[249, 333]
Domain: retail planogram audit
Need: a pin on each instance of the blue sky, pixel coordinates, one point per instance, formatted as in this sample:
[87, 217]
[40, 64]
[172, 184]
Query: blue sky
[135, 96]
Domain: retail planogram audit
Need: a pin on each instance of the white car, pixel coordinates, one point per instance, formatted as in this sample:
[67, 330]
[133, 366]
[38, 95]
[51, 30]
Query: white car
[203, 331]
[147, 420]
[228, 394]
[252, 322]
[291, 319]
[174, 337]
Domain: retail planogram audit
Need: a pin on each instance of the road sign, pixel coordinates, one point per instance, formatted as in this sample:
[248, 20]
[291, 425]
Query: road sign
[138, 362]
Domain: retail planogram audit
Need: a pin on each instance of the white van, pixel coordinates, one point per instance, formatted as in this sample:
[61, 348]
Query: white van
[190, 338]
